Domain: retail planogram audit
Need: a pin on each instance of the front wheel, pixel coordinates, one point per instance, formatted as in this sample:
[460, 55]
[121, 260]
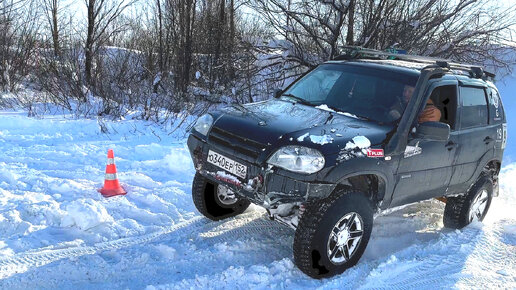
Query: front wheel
[333, 234]
[462, 210]
[215, 201]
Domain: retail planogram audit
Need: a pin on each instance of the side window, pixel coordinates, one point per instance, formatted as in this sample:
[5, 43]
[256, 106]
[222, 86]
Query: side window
[474, 107]
[495, 107]
[445, 99]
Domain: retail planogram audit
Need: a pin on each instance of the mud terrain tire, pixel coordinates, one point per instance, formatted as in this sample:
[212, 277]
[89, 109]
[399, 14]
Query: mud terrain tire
[318, 223]
[205, 198]
[457, 210]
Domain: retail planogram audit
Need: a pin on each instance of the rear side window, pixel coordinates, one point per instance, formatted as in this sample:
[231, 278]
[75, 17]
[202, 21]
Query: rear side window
[474, 107]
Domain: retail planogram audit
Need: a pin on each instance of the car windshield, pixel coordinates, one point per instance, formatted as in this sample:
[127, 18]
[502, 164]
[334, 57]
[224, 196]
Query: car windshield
[371, 93]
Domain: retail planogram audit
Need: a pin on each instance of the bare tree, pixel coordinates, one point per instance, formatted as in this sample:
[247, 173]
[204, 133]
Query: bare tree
[100, 15]
[18, 27]
[466, 30]
[313, 28]
[51, 10]
[351, 23]
[160, 35]
[220, 30]
[147, 59]
[181, 17]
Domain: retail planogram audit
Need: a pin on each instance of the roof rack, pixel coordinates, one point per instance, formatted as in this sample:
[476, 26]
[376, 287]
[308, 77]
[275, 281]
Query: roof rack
[358, 52]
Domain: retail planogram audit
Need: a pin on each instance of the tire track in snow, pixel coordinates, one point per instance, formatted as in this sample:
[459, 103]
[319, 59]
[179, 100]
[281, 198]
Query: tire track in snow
[242, 226]
[24, 261]
[482, 248]
[222, 231]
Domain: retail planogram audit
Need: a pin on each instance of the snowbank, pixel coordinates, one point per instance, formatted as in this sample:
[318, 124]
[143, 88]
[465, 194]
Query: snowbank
[85, 214]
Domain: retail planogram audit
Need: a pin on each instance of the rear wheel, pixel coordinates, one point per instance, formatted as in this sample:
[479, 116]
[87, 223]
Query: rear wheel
[462, 210]
[333, 234]
[216, 201]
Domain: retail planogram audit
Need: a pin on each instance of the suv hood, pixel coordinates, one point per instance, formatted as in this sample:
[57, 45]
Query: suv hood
[277, 123]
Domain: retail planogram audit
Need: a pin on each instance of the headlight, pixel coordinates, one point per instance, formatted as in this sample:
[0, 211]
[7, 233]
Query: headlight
[203, 124]
[298, 159]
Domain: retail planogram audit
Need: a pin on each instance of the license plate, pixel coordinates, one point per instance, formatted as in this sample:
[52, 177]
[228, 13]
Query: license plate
[227, 164]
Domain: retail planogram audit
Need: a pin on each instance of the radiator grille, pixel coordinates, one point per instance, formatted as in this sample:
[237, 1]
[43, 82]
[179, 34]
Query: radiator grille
[246, 147]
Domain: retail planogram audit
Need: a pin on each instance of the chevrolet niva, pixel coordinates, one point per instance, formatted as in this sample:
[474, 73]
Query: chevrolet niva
[352, 137]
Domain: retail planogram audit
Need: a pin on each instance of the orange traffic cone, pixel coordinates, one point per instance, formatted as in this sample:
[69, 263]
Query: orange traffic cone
[111, 185]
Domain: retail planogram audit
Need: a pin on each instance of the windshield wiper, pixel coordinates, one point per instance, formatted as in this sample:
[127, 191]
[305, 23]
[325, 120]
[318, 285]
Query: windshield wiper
[298, 99]
[337, 110]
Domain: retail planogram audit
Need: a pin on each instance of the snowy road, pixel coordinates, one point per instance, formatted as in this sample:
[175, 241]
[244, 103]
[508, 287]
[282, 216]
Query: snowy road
[58, 232]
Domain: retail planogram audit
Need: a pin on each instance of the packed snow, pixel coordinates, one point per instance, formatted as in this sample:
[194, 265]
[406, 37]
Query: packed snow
[57, 231]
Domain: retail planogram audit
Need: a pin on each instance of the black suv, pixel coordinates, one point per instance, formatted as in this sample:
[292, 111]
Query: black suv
[345, 141]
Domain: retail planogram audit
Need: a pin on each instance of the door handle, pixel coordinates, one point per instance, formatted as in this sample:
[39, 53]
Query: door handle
[488, 139]
[450, 145]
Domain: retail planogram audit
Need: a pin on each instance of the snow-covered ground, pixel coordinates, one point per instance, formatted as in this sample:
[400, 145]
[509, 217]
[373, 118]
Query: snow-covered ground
[57, 231]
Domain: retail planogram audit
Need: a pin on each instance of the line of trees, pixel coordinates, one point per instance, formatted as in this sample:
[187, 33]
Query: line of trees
[465, 30]
[165, 58]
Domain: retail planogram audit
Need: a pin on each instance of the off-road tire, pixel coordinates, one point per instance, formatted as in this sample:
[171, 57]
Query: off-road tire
[312, 234]
[456, 212]
[204, 195]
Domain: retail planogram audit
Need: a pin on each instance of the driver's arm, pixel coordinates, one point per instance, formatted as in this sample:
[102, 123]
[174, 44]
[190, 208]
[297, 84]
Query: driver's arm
[430, 114]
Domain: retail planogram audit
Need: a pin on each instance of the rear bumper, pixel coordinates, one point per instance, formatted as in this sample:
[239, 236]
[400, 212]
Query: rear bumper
[262, 186]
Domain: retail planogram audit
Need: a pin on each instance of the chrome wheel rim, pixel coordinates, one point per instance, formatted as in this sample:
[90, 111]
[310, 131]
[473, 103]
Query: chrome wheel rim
[345, 237]
[226, 196]
[478, 206]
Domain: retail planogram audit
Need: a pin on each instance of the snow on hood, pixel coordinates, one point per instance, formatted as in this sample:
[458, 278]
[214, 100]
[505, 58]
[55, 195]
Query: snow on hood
[276, 123]
[316, 139]
[302, 137]
[321, 140]
[360, 142]
[357, 147]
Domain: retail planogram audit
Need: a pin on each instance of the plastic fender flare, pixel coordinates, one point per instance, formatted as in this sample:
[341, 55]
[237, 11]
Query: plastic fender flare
[361, 166]
[488, 157]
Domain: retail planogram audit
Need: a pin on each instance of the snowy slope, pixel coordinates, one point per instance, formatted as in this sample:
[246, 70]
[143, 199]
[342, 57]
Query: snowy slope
[56, 231]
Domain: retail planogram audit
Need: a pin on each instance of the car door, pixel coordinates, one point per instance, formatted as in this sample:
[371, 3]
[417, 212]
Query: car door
[477, 135]
[425, 169]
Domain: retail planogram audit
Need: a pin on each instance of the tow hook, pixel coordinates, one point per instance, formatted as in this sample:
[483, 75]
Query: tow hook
[257, 182]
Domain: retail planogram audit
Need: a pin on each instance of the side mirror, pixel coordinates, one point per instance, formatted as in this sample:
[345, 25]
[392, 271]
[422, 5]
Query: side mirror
[277, 93]
[433, 131]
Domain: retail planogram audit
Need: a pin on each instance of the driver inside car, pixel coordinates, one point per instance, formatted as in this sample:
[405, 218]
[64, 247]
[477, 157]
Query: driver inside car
[430, 114]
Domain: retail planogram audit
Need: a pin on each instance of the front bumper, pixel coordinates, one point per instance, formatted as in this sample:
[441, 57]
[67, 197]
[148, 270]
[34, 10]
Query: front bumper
[262, 186]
